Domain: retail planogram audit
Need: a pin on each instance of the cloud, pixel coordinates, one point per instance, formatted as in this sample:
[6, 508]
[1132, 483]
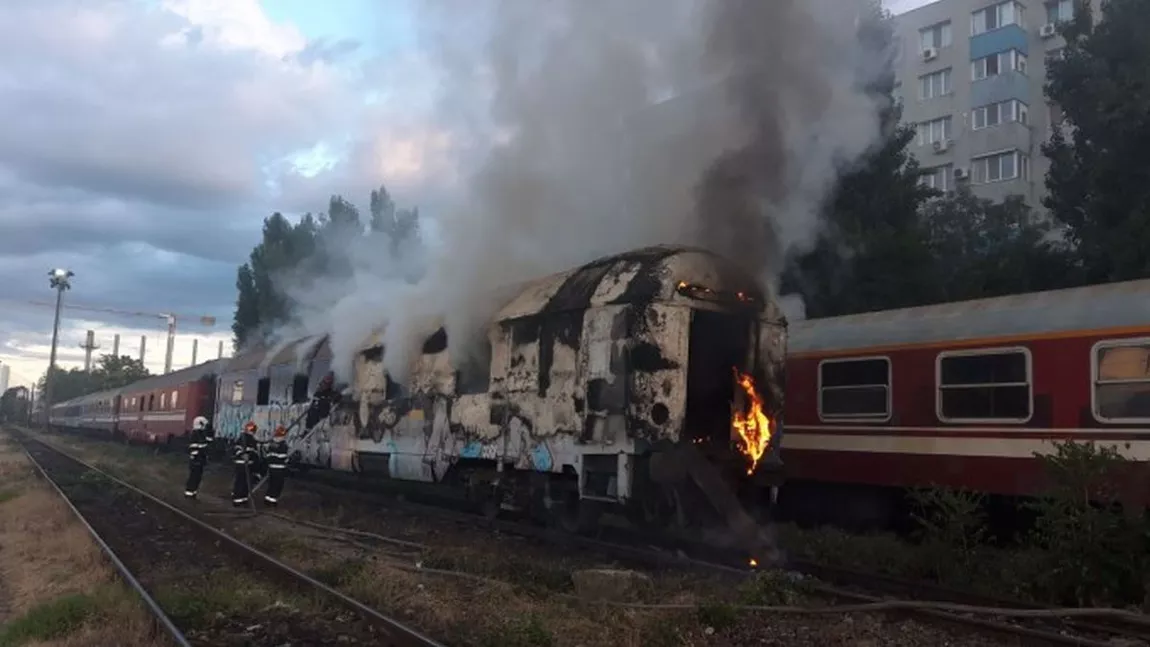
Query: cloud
[145, 140]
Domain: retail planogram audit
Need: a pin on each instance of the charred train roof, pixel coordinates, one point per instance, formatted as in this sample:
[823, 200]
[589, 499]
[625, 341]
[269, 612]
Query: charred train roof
[638, 276]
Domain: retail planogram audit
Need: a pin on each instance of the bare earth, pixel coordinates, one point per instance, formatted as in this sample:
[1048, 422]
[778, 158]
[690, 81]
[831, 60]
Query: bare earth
[469, 586]
[56, 588]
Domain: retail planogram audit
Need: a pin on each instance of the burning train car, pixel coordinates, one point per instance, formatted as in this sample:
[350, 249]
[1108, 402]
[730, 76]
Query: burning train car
[648, 382]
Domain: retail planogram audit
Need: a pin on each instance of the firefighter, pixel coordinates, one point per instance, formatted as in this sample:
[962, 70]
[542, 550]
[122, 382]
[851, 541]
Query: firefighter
[277, 457]
[321, 403]
[244, 455]
[201, 438]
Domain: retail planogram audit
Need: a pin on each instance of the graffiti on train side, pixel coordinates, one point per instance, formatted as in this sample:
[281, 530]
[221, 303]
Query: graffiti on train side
[319, 446]
[424, 435]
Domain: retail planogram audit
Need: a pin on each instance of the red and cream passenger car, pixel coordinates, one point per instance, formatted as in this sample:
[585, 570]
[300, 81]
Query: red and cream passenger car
[964, 394]
[160, 409]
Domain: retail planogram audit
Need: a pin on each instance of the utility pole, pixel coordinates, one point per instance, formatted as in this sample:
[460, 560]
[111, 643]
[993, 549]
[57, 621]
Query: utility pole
[143, 347]
[116, 346]
[195, 350]
[89, 345]
[221, 355]
[58, 281]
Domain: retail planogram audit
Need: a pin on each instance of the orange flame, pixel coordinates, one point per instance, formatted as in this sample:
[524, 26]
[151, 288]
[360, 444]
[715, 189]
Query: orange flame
[753, 426]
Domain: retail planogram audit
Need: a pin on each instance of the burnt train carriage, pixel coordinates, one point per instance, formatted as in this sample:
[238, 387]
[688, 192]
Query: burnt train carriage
[963, 394]
[613, 383]
[272, 386]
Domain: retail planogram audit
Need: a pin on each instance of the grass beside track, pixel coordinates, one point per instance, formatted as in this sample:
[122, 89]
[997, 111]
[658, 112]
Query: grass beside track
[56, 588]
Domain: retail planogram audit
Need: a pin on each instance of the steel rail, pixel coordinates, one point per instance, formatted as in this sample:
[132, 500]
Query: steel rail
[398, 633]
[160, 620]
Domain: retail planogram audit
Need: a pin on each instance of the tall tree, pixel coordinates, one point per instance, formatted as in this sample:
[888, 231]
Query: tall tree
[14, 405]
[261, 302]
[401, 226]
[872, 251]
[1099, 179]
[981, 248]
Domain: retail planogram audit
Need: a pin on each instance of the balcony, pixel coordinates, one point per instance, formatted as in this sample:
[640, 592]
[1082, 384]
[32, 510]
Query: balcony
[999, 40]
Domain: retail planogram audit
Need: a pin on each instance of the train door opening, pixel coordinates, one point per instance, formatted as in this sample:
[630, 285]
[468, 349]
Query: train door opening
[719, 342]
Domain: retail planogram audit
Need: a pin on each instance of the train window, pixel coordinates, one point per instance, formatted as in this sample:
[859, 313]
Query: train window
[854, 389]
[263, 390]
[151, 402]
[164, 400]
[299, 389]
[237, 391]
[175, 398]
[982, 386]
[1122, 380]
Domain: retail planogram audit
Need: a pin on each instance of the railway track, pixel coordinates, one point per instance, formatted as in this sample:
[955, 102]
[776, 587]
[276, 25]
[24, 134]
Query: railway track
[1015, 621]
[153, 544]
[1025, 623]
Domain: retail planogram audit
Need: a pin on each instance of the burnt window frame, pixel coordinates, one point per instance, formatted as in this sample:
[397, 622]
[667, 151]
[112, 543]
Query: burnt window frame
[263, 391]
[856, 417]
[237, 392]
[1095, 353]
[1028, 359]
[300, 388]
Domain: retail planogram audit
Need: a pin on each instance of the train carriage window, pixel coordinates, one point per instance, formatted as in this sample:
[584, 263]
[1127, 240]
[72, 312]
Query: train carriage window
[263, 390]
[854, 389]
[1122, 381]
[175, 398]
[299, 389]
[986, 385]
[237, 391]
[164, 400]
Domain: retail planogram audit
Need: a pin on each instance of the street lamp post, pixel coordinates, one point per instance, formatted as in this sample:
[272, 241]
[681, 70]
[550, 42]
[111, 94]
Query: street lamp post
[58, 279]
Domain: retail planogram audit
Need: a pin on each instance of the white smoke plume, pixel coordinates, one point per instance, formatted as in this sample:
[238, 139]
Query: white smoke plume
[590, 127]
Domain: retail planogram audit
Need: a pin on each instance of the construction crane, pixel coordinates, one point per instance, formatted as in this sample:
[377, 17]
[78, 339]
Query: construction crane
[171, 318]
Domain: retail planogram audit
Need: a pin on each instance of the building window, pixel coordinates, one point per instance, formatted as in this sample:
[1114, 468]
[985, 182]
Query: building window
[937, 178]
[1059, 10]
[984, 385]
[237, 391]
[997, 113]
[855, 389]
[937, 130]
[995, 64]
[1122, 380]
[996, 16]
[936, 36]
[175, 398]
[1000, 167]
[934, 85]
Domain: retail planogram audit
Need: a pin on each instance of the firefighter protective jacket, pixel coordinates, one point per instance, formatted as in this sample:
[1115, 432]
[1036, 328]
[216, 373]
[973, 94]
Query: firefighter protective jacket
[198, 446]
[277, 454]
[246, 451]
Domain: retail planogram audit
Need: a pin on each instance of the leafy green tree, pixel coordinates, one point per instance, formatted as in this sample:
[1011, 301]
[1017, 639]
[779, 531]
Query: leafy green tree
[14, 405]
[981, 248]
[110, 372]
[261, 304]
[401, 226]
[1100, 155]
[872, 251]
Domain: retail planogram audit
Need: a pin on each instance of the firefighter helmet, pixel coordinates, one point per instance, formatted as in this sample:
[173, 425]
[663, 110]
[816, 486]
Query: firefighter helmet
[250, 427]
[200, 423]
[280, 431]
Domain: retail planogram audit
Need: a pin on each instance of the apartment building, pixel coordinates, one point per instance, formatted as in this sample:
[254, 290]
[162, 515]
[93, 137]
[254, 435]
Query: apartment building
[971, 76]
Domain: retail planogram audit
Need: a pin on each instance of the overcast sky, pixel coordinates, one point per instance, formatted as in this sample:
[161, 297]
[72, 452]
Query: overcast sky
[143, 141]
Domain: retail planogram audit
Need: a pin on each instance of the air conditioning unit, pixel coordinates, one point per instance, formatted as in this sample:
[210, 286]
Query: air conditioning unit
[942, 145]
[1049, 30]
[960, 173]
[929, 54]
